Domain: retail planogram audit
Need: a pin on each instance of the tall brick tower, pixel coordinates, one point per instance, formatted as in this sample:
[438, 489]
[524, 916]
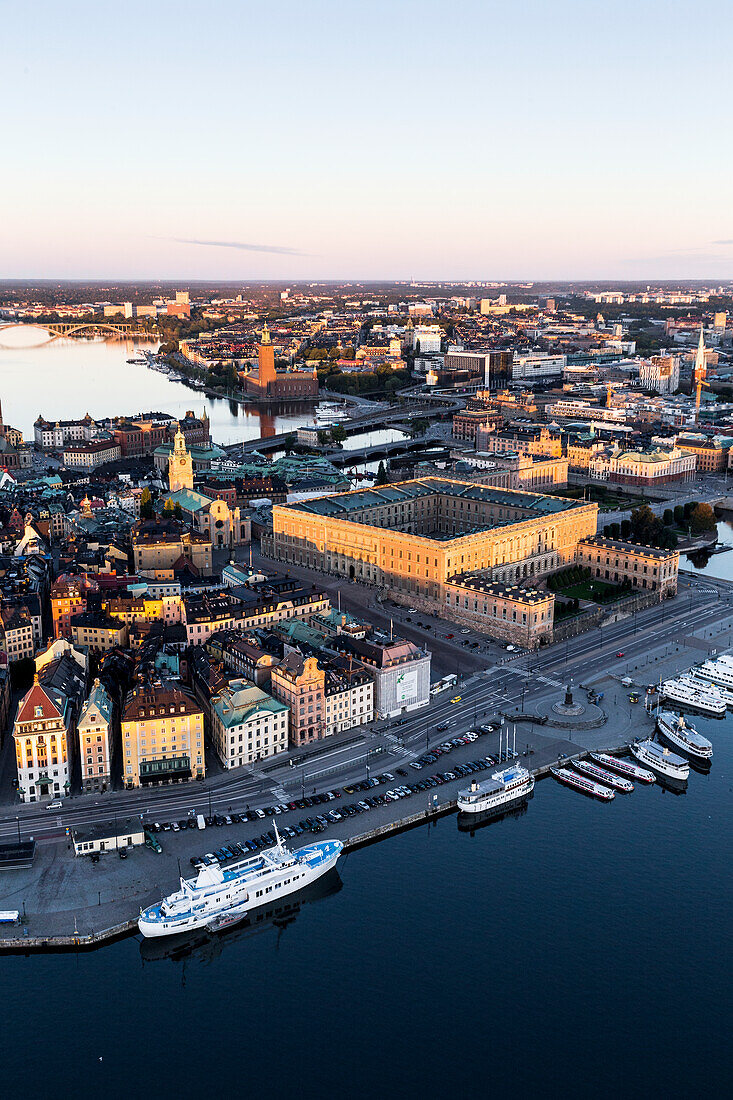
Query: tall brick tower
[266, 361]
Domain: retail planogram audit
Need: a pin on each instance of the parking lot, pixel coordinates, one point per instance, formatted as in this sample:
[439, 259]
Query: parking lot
[340, 804]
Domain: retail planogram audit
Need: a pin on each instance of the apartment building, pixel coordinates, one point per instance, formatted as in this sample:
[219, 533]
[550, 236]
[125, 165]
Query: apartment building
[642, 567]
[94, 730]
[162, 736]
[300, 684]
[43, 743]
[247, 724]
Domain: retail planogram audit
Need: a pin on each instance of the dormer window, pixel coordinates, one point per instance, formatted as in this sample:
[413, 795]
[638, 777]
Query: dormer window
[38, 712]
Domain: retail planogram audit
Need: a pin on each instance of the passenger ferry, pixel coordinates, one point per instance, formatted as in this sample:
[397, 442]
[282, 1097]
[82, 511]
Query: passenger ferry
[502, 789]
[581, 783]
[679, 735]
[659, 758]
[623, 767]
[697, 681]
[217, 891]
[684, 694]
[717, 672]
[602, 776]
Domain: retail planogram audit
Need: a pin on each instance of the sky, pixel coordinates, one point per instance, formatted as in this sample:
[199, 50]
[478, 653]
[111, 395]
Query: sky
[476, 139]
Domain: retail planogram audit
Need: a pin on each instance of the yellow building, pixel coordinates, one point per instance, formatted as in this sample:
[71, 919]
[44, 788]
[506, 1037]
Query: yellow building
[97, 631]
[162, 736]
[411, 538]
[180, 465]
[641, 567]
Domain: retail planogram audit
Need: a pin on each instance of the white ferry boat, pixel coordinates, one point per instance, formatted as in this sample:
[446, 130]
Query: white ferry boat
[623, 767]
[717, 672]
[581, 783]
[602, 776]
[697, 681]
[681, 692]
[217, 891]
[502, 789]
[675, 730]
[659, 758]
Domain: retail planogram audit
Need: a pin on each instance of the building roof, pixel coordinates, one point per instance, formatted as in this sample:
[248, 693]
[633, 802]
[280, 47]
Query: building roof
[628, 547]
[344, 504]
[98, 700]
[242, 701]
[482, 582]
[37, 697]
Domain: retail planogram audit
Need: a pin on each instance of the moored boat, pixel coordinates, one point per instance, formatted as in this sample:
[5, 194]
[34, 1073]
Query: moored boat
[219, 892]
[660, 759]
[503, 788]
[717, 672]
[676, 731]
[618, 782]
[623, 767]
[581, 783]
[683, 693]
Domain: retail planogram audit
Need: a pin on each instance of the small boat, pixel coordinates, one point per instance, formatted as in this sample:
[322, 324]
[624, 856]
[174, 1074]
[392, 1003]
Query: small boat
[580, 783]
[675, 730]
[623, 767]
[602, 776]
[659, 758]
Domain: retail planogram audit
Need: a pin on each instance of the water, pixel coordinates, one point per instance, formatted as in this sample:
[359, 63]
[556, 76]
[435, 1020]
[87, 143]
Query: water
[579, 941]
[64, 379]
[713, 565]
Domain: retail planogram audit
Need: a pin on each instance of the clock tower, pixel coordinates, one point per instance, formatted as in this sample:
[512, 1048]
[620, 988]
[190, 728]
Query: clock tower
[180, 465]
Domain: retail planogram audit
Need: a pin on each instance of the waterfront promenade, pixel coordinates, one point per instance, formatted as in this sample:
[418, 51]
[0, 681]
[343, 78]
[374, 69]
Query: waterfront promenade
[67, 900]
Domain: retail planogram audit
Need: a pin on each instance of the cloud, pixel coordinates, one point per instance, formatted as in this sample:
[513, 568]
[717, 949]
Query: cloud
[721, 242]
[279, 250]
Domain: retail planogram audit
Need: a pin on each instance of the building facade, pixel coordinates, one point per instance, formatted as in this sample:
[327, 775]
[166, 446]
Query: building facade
[640, 567]
[43, 743]
[162, 736]
[94, 730]
[247, 724]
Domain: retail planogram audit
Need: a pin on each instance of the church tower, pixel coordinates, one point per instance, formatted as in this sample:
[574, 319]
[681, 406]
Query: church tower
[266, 361]
[180, 465]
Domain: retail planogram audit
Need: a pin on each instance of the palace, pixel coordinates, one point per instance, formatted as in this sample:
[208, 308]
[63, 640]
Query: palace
[413, 537]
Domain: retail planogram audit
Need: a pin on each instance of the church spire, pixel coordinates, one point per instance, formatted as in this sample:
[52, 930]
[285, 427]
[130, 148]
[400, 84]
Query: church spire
[700, 365]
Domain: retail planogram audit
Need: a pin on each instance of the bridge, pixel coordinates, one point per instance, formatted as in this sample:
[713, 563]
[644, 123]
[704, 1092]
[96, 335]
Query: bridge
[59, 329]
[426, 449]
[374, 418]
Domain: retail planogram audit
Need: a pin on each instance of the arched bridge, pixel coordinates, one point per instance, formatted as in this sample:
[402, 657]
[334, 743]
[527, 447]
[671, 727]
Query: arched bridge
[73, 328]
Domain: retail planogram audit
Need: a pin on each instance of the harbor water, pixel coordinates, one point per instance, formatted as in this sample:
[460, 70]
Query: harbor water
[576, 947]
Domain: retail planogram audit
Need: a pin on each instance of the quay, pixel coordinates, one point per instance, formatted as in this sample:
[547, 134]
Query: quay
[68, 902]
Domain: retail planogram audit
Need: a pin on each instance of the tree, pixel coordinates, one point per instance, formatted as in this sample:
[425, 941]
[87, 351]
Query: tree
[679, 515]
[338, 433]
[702, 518]
[625, 528]
[668, 518]
[168, 508]
[382, 478]
[290, 442]
[615, 530]
[146, 505]
[178, 511]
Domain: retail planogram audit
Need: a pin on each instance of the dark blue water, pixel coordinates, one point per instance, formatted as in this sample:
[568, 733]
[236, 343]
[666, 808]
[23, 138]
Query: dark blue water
[579, 949]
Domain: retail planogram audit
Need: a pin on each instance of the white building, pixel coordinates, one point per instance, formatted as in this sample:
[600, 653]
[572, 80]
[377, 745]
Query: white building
[42, 735]
[429, 338]
[538, 368]
[247, 724]
[661, 373]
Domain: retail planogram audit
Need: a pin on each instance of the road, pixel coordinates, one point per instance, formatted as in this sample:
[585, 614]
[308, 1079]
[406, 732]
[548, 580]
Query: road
[384, 746]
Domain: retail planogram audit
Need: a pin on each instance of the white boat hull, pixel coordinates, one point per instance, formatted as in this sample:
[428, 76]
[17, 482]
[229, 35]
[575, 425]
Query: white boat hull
[497, 799]
[662, 767]
[200, 919]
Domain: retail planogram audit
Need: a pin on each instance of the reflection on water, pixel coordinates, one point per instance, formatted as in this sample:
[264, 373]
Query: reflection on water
[207, 946]
[717, 562]
[470, 823]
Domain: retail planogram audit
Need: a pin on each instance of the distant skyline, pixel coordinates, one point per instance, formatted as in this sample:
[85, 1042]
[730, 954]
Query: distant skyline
[480, 140]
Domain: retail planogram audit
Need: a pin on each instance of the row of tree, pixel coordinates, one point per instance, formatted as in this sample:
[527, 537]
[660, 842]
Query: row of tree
[651, 530]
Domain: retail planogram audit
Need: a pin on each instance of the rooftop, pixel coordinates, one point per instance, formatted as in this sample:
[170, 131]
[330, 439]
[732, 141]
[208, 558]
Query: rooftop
[627, 547]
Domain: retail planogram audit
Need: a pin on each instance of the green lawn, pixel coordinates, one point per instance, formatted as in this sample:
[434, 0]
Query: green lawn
[598, 591]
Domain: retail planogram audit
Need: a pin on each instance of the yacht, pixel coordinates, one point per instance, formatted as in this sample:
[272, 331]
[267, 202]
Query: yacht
[502, 789]
[623, 767]
[228, 891]
[681, 692]
[679, 735]
[618, 782]
[659, 758]
[582, 783]
[717, 672]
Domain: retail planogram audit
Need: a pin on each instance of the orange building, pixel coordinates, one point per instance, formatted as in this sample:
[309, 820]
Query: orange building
[69, 597]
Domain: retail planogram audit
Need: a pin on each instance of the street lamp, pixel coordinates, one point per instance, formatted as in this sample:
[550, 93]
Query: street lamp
[17, 821]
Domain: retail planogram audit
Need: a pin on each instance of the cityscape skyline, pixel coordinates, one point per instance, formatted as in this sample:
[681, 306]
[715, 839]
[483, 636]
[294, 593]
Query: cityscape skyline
[529, 143]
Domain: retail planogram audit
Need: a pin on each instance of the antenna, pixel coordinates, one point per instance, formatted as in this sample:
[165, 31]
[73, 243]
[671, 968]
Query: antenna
[277, 836]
